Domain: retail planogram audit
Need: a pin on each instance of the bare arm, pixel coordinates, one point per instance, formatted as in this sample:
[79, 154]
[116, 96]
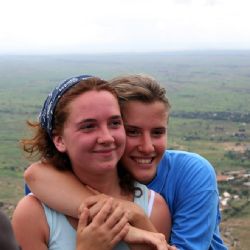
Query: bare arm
[161, 217]
[145, 240]
[29, 224]
[56, 188]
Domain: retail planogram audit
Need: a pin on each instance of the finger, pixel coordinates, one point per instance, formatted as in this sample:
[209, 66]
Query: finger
[118, 226]
[83, 220]
[89, 202]
[94, 203]
[120, 234]
[96, 208]
[104, 212]
[117, 214]
[92, 200]
[81, 208]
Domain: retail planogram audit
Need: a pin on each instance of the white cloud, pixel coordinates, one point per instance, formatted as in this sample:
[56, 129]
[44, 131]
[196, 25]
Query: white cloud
[65, 26]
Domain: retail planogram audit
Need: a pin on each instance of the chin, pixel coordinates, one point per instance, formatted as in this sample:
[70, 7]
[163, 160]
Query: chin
[107, 166]
[144, 179]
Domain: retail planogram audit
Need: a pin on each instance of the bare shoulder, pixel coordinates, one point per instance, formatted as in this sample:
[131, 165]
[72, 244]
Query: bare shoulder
[159, 200]
[30, 224]
[28, 207]
[160, 215]
[32, 169]
[159, 205]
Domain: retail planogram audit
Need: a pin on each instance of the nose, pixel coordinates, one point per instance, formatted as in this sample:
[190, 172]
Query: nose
[146, 145]
[105, 137]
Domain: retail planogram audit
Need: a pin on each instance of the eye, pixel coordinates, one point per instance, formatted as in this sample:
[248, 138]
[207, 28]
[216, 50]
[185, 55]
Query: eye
[158, 132]
[88, 126]
[115, 123]
[132, 132]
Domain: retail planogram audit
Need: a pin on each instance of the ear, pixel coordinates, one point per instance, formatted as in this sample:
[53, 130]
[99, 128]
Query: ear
[59, 143]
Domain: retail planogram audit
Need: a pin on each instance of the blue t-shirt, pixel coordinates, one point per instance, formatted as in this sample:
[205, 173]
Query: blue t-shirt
[188, 183]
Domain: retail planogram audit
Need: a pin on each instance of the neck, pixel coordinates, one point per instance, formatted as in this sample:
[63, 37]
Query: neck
[107, 183]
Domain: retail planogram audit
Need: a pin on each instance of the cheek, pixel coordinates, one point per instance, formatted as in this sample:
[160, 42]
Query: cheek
[84, 142]
[161, 145]
[130, 144]
[120, 137]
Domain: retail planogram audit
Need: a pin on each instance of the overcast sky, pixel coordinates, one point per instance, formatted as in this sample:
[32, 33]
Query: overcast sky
[86, 26]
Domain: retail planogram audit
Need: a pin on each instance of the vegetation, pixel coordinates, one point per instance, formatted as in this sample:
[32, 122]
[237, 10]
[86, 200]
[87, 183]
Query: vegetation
[209, 93]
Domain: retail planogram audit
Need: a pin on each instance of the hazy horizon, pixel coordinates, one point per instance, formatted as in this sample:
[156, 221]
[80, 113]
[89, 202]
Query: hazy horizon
[120, 53]
[118, 26]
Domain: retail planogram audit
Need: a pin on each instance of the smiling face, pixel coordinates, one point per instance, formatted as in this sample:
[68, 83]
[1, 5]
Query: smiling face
[146, 130]
[93, 135]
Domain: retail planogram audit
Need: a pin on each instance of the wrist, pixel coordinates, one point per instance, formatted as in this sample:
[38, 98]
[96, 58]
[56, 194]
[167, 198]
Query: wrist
[139, 219]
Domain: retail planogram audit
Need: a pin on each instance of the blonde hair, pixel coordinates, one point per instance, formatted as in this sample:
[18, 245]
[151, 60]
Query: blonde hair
[139, 87]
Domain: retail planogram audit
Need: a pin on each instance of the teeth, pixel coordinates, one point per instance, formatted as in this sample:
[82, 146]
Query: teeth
[143, 161]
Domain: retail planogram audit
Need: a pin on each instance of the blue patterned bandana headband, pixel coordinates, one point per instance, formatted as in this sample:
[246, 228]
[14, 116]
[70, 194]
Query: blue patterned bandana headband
[47, 112]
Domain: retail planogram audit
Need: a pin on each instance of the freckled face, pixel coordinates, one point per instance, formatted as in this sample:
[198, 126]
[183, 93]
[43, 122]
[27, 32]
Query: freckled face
[93, 135]
[146, 130]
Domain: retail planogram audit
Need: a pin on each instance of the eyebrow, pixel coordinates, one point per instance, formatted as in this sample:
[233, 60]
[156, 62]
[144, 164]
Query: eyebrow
[136, 127]
[86, 120]
[131, 126]
[94, 120]
[116, 117]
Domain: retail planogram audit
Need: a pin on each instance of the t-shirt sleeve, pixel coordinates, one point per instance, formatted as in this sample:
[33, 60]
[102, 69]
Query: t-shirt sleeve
[196, 213]
[195, 221]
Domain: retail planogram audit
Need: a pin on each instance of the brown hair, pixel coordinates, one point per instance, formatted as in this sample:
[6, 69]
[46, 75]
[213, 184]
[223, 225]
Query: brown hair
[139, 87]
[41, 144]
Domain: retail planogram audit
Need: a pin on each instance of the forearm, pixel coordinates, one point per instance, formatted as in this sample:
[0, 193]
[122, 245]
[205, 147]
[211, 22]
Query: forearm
[137, 216]
[140, 239]
[60, 190]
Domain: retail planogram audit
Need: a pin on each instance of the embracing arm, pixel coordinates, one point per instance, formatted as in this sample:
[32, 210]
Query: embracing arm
[144, 240]
[57, 188]
[62, 191]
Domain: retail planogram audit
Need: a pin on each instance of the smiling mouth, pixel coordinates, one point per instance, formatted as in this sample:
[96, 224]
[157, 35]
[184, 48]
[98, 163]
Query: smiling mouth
[143, 160]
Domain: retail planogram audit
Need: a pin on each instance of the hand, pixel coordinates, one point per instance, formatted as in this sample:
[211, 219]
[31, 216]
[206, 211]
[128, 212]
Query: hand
[94, 204]
[146, 240]
[136, 215]
[105, 230]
